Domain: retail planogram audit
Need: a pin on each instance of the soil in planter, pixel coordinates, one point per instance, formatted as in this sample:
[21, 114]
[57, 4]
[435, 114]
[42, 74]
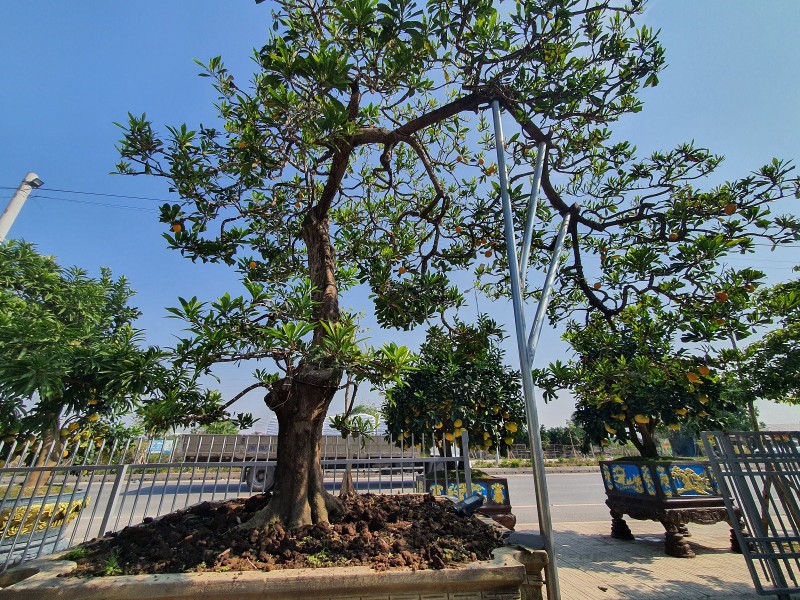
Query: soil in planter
[379, 531]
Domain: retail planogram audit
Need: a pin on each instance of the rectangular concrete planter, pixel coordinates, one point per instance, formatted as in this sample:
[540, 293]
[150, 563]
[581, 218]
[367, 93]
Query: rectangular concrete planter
[512, 574]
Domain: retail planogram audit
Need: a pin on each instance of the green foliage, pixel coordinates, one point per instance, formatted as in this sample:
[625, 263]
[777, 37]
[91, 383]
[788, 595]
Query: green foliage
[628, 379]
[219, 428]
[770, 367]
[460, 384]
[68, 349]
[360, 153]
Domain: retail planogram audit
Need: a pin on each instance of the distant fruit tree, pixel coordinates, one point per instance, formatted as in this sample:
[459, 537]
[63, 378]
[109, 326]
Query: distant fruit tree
[70, 360]
[460, 384]
[360, 152]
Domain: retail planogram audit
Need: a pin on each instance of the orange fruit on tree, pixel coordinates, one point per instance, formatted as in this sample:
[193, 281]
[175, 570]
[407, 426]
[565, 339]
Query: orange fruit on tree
[730, 208]
[704, 370]
[480, 161]
[488, 253]
[176, 227]
[719, 321]
[253, 264]
[721, 296]
[693, 377]
[597, 285]
[458, 228]
[401, 270]
[673, 237]
[459, 158]
[749, 288]
[642, 419]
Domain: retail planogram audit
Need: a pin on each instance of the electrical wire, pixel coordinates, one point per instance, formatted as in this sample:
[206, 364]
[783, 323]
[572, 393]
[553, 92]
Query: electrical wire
[103, 204]
[45, 189]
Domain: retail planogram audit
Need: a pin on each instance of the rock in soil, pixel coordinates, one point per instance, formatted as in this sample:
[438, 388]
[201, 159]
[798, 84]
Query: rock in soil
[379, 531]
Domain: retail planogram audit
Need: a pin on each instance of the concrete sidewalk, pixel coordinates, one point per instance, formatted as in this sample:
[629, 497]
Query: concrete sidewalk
[593, 565]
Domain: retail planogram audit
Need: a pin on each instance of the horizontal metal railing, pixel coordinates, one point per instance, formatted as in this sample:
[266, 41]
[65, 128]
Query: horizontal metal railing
[91, 488]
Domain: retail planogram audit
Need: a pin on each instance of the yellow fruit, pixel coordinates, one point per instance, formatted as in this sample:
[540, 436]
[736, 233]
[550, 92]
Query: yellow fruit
[438, 425]
[674, 426]
[486, 435]
[449, 436]
[642, 419]
[604, 442]
[506, 414]
[702, 414]
[407, 420]
[94, 417]
[730, 208]
[512, 427]
[64, 432]
[693, 377]
[496, 409]
[406, 434]
[72, 426]
[703, 399]
[508, 440]
[457, 423]
[704, 370]
[681, 411]
[610, 429]
[92, 402]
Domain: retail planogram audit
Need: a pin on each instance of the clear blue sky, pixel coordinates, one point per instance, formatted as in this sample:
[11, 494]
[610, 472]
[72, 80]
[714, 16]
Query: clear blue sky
[71, 69]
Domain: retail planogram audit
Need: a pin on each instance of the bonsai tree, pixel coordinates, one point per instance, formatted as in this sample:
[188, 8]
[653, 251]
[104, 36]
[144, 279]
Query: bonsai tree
[460, 384]
[628, 379]
[70, 359]
[359, 152]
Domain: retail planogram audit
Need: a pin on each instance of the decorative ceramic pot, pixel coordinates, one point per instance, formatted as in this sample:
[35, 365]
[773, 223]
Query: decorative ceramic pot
[674, 492]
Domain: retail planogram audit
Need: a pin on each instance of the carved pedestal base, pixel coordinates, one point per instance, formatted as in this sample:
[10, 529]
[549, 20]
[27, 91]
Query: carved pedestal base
[674, 521]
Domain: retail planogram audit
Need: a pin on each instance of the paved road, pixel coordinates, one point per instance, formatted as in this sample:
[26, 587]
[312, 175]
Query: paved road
[573, 497]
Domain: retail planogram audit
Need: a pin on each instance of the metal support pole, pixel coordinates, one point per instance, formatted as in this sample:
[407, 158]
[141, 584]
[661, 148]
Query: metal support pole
[539, 480]
[112, 501]
[536, 329]
[31, 182]
[530, 217]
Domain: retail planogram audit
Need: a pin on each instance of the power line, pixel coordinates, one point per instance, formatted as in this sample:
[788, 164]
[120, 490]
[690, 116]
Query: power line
[104, 204]
[2, 187]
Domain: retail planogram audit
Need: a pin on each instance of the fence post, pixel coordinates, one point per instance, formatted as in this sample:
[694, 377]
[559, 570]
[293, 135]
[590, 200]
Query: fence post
[467, 468]
[112, 501]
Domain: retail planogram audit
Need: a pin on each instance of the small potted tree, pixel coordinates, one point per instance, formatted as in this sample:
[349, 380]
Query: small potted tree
[460, 385]
[629, 382]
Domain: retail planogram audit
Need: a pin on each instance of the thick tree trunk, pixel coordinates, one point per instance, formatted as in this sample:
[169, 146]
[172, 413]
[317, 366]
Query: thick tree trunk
[301, 401]
[52, 447]
[301, 404]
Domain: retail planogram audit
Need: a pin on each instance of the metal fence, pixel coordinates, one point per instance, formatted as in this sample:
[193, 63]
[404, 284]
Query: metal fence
[92, 487]
[760, 473]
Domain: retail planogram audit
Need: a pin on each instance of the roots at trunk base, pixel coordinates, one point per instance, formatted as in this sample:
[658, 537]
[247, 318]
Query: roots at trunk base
[298, 496]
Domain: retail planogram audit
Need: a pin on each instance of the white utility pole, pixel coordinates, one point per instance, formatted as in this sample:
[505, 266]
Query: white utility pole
[31, 182]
